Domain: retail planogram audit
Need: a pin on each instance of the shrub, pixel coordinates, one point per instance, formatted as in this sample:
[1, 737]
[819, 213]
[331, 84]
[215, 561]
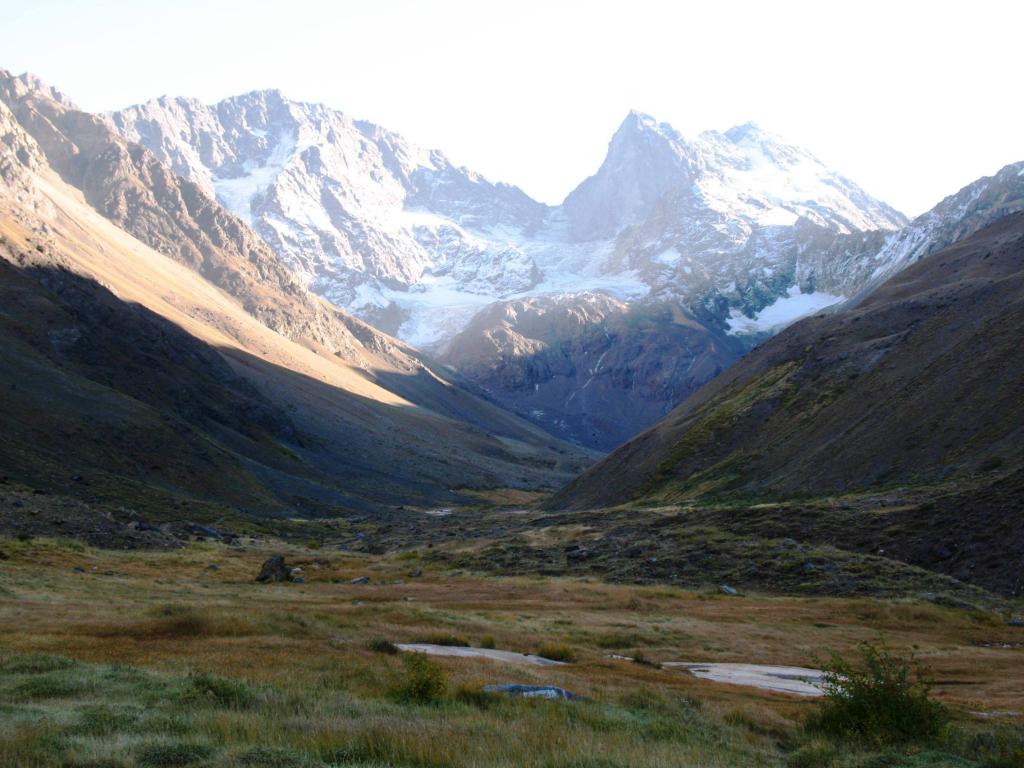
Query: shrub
[424, 682]
[172, 754]
[441, 639]
[487, 642]
[271, 757]
[883, 699]
[474, 695]
[815, 754]
[643, 661]
[50, 685]
[557, 652]
[380, 645]
[218, 691]
[34, 663]
[102, 720]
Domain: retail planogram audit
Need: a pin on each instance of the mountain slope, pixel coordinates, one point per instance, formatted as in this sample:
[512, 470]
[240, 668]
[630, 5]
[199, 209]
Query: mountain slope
[739, 231]
[972, 208]
[920, 382]
[366, 420]
[588, 367]
[354, 210]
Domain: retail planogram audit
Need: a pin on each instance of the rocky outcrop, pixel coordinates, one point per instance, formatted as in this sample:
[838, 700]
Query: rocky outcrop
[274, 569]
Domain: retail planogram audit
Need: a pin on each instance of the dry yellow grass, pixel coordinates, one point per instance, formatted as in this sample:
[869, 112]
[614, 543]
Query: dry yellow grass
[167, 612]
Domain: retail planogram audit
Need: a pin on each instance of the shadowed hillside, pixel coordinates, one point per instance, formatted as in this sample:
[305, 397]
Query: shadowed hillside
[923, 380]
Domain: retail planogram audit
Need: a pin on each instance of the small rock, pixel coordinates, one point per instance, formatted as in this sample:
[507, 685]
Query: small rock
[213, 567]
[298, 580]
[202, 531]
[360, 580]
[78, 569]
[787, 542]
[415, 573]
[274, 569]
[725, 589]
[1016, 621]
[296, 571]
[534, 692]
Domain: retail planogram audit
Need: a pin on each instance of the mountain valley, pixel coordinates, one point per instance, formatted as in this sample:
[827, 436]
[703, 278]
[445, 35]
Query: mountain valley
[321, 450]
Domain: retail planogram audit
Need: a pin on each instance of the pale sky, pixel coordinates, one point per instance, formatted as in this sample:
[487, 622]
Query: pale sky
[911, 100]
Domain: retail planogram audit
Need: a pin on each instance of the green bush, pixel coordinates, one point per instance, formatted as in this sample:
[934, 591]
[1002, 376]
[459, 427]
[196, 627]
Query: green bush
[883, 699]
[218, 691]
[172, 754]
[380, 645]
[34, 664]
[103, 720]
[557, 652]
[643, 661]
[442, 639]
[474, 695]
[271, 757]
[487, 642]
[50, 685]
[424, 682]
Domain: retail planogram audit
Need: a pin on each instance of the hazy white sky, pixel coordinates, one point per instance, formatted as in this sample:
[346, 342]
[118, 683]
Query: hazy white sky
[911, 100]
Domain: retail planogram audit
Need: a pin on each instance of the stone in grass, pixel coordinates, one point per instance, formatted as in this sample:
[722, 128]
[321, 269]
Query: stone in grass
[274, 569]
[534, 692]
[360, 580]
[725, 589]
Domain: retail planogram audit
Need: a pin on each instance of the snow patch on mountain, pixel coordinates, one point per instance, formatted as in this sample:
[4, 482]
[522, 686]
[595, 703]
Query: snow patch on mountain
[784, 311]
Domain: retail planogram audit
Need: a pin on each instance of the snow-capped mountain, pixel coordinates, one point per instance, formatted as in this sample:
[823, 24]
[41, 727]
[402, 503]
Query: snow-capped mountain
[743, 174]
[404, 238]
[356, 211]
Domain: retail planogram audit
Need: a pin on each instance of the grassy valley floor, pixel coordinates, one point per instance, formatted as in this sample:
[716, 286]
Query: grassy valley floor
[177, 658]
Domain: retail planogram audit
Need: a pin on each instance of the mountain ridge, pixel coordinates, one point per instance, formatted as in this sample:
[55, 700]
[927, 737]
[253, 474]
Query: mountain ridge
[931, 356]
[365, 411]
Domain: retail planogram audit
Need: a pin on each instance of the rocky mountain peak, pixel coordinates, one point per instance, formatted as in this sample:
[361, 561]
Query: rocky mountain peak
[26, 82]
[645, 160]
